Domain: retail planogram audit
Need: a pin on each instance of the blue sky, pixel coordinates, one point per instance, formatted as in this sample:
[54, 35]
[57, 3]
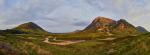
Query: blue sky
[70, 15]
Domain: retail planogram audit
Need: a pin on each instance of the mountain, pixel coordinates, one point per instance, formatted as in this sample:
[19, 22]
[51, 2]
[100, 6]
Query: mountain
[30, 27]
[100, 24]
[141, 29]
[122, 26]
[107, 25]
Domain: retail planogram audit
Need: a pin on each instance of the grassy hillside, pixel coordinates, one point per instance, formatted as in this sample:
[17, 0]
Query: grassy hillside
[29, 44]
[30, 27]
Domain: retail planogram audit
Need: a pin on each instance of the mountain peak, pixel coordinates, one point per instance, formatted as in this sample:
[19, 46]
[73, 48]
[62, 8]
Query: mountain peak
[30, 23]
[100, 24]
[122, 20]
[30, 27]
[103, 20]
[107, 25]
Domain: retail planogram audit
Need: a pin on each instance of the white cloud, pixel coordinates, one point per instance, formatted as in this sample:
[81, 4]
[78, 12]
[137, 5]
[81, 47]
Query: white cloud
[69, 15]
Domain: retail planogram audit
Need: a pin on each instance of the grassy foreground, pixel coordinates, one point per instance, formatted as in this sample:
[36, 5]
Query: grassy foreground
[30, 44]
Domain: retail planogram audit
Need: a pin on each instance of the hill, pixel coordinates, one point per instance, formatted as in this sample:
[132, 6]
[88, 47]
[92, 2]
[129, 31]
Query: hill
[30, 27]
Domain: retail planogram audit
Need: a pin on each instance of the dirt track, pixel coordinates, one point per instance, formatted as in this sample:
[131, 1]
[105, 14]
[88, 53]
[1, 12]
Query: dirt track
[64, 42]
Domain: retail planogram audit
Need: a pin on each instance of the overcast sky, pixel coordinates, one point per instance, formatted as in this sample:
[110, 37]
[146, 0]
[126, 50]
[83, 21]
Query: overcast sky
[70, 15]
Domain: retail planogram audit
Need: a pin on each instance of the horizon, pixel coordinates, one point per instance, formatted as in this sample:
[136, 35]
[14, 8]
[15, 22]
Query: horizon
[70, 15]
[74, 30]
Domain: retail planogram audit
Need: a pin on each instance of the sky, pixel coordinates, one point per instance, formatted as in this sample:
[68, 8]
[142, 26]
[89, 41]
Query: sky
[70, 15]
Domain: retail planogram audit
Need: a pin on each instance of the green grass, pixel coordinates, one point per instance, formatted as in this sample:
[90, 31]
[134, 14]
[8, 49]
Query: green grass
[31, 44]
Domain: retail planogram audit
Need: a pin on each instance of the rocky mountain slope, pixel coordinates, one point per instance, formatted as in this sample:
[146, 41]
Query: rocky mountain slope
[107, 25]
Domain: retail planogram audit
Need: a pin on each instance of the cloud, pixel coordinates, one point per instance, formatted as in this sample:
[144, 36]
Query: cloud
[70, 15]
[1, 5]
[1, 2]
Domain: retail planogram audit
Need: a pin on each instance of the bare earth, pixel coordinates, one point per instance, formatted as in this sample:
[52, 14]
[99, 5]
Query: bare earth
[63, 43]
[107, 39]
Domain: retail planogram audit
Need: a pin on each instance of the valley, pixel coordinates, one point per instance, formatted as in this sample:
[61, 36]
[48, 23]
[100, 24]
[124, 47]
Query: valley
[103, 36]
